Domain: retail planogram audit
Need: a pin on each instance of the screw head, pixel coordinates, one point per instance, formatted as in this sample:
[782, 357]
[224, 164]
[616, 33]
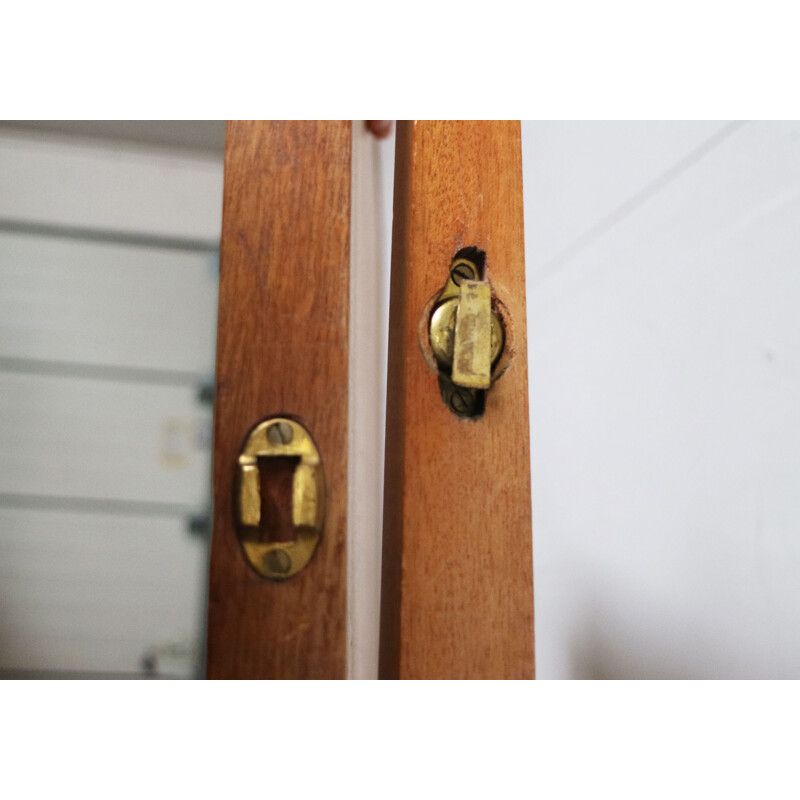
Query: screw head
[280, 433]
[462, 272]
[278, 562]
[460, 402]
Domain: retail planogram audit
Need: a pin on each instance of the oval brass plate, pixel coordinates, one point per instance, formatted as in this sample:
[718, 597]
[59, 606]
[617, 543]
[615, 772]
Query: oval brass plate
[280, 437]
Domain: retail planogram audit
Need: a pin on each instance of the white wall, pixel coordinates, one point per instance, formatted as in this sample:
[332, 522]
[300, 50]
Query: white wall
[663, 297]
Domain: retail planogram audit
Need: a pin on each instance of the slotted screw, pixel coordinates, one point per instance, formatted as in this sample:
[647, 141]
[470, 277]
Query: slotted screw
[278, 561]
[462, 272]
[280, 433]
[460, 402]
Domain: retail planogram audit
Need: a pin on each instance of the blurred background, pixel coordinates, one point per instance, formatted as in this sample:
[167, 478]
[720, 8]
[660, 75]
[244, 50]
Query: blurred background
[664, 346]
[109, 253]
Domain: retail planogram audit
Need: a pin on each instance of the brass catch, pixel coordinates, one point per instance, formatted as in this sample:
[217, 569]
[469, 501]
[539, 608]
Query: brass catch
[280, 437]
[466, 334]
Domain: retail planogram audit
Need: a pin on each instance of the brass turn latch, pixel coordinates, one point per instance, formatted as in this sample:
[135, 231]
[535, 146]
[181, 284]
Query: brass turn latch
[280, 437]
[466, 334]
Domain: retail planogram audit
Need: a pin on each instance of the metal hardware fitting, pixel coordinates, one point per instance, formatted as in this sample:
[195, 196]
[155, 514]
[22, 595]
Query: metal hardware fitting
[280, 437]
[466, 334]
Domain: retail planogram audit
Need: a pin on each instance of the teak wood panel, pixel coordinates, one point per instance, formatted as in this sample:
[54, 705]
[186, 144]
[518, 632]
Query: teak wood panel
[282, 349]
[457, 592]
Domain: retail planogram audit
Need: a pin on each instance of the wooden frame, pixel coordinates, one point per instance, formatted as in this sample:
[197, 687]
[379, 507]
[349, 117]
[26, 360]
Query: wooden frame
[282, 349]
[457, 584]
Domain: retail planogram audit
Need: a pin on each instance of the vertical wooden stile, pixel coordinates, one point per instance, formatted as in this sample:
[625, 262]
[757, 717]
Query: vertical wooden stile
[457, 586]
[282, 349]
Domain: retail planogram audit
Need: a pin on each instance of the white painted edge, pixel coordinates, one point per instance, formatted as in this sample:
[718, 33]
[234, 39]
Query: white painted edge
[367, 402]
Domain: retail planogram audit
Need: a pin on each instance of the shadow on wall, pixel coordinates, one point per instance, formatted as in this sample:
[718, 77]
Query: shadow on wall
[667, 647]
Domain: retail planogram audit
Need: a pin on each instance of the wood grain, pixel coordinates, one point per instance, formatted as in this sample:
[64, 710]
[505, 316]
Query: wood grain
[457, 592]
[282, 349]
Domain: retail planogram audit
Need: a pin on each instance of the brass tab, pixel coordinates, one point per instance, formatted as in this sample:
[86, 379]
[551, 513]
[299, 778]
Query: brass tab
[466, 335]
[276, 437]
[472, 346]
